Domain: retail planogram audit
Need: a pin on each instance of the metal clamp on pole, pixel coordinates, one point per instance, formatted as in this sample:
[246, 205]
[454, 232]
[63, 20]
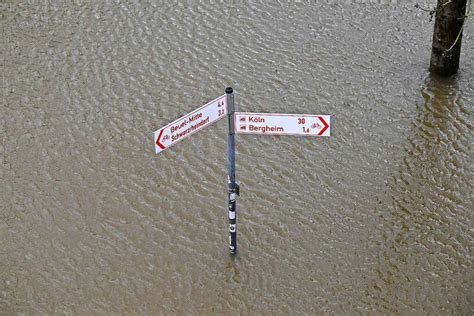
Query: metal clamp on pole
[233, 188]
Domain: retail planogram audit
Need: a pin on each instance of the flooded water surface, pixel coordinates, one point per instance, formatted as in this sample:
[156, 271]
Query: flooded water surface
[376, 219]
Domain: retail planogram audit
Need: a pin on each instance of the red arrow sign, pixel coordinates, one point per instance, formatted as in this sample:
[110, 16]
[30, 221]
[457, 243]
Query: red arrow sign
[190, 123]
[282, 124]
[158, 140]
[326, 126]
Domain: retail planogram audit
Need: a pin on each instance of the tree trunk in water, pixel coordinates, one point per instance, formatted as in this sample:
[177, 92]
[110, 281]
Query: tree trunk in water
[448, 27]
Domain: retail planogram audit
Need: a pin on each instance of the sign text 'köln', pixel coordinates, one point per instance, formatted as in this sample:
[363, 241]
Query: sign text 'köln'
[190, 123]
[282, 124]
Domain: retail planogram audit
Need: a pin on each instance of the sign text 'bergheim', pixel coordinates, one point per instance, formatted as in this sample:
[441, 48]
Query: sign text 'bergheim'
[282, 124]
[190, 123]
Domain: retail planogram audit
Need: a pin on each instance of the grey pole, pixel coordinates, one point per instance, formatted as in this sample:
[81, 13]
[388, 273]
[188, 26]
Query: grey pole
[233, 187]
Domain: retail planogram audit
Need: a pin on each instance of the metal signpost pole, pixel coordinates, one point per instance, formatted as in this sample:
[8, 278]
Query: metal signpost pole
[232, 185]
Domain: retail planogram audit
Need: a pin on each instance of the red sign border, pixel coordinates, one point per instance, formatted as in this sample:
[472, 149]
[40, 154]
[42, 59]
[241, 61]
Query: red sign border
[160, 131]
[282, 114]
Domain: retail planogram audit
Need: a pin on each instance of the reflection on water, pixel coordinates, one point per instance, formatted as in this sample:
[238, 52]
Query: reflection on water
[429, 206]
[233, 271]
[375, 219]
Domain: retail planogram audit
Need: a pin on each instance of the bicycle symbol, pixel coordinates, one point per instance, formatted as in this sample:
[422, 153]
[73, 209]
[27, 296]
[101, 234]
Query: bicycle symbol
[316, 125]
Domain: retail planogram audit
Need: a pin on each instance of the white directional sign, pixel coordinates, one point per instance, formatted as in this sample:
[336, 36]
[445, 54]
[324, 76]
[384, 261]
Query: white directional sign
[190, 123]
[282, 124]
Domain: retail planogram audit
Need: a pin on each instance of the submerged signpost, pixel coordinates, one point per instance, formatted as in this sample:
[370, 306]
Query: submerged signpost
[239, 123]
[233, 187]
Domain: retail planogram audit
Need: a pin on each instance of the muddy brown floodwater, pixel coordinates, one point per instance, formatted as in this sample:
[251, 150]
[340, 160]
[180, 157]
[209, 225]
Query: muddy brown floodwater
[376, 219]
